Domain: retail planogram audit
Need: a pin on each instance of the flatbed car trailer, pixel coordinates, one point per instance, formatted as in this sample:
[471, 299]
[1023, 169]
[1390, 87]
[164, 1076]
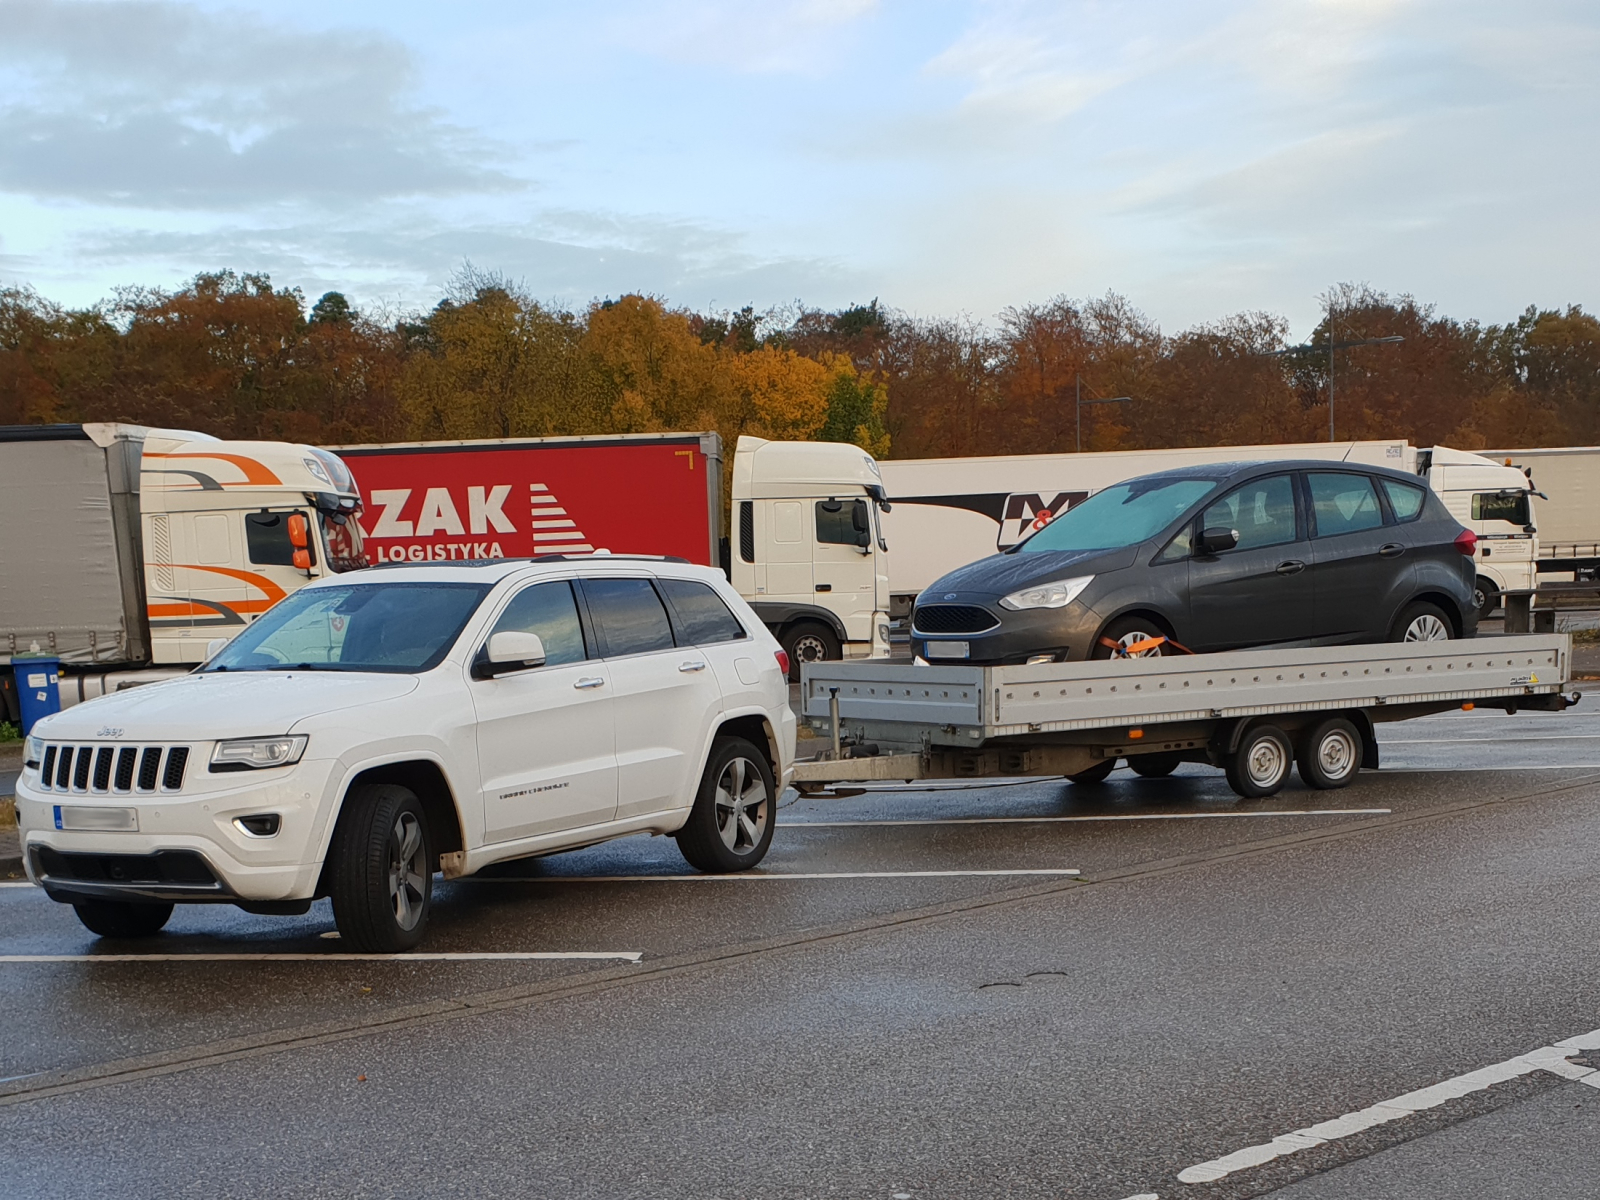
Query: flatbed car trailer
[1253, 713]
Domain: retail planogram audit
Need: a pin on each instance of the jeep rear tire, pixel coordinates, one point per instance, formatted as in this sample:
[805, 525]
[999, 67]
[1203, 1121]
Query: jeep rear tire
[735, 810]
[381, 870]
[121, 918]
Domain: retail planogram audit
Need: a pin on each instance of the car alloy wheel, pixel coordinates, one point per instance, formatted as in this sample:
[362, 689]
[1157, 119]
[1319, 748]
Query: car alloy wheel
[407, 871]
[1426, 627]
[742, 809]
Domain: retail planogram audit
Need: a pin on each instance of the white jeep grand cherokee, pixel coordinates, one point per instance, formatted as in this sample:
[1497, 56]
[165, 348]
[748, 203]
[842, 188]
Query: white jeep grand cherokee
[373, 729]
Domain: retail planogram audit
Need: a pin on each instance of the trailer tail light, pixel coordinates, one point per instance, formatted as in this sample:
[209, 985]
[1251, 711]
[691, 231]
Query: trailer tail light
[783, 661]
[1467, 542]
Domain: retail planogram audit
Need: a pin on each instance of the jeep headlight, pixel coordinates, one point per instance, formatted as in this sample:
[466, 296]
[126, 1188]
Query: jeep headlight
[1048, 595]
[34, 752]
[252, 754]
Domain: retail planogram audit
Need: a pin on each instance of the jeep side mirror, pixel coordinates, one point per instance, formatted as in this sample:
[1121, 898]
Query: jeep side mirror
[510, 650]
[1214, 541]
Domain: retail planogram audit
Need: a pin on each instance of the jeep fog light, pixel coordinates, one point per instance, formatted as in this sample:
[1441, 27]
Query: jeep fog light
[1048, 595]
[253, 754]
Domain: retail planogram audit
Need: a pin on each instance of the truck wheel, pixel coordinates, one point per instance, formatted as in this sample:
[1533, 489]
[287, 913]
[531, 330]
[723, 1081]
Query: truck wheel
[809, 642]
[1096, 773]
[1261, 764]
[730, 826]
[1125, 632]
[382, 870]
[1421, 622]
[1330, 754]
[120, 919]
[1154, 766]
[1485, 597]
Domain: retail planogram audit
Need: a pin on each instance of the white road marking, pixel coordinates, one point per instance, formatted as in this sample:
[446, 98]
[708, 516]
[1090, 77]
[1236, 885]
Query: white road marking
[632, 956]
[20, 884]
[1190, 816]
[748, 876]
[1145, 1196]
[1547, 1058]
[1499, 741]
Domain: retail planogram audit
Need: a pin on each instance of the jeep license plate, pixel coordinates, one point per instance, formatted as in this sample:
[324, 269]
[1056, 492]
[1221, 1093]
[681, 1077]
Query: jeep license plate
[96, 819]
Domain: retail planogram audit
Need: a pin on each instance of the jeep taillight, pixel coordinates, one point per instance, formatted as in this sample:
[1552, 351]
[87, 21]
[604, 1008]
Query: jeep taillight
[1467, 542]
[783, 661]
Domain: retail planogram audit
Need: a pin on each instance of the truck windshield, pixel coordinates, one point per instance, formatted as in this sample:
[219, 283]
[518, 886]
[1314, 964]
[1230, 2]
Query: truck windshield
[394, 627]
[1122, 515]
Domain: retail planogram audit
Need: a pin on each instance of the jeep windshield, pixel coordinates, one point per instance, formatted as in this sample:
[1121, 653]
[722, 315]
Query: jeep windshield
[393, 627]
[1123, 515]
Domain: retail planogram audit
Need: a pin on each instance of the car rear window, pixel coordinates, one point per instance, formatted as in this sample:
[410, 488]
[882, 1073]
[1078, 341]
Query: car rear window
[1343, 503]
[1122, 515]
[629, 615]
[1405, 498]
[702, 616]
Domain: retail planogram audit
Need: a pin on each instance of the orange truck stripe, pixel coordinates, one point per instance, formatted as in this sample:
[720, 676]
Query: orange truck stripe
[254, 472]
[273, 592]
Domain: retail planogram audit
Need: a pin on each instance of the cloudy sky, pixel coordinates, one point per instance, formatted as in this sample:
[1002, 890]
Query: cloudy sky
[1199, 156]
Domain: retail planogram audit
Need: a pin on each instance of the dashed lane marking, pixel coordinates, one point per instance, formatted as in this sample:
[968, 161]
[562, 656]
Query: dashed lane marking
[631, 956]
[750, 876]
[1551, 1058]
[1188, 816]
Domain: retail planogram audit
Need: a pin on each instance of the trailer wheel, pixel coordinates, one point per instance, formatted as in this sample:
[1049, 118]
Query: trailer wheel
[1330, 754]
[808, 642]
[1261, 764]
[1096, 773]
[121, 919]
[1154, 766]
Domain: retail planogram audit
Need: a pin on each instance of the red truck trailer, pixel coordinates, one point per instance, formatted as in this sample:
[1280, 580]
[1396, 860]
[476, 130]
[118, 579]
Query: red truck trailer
[638, 493]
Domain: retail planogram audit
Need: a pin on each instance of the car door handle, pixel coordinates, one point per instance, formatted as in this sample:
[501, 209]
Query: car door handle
[692, 666]
[1293, 567]
[1392, 550]
[824, 587]
[592, 681]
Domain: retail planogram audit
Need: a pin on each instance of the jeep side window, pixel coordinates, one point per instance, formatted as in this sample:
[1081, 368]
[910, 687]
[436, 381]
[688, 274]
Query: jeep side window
[629, 615]
[549, 610]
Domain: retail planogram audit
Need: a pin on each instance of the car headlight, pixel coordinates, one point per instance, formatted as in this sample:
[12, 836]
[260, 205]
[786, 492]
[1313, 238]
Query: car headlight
[252, 754]
[34, 752]
[1048, 595]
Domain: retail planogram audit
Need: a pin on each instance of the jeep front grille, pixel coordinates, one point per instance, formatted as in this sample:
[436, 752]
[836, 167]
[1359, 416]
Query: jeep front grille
[107, 770]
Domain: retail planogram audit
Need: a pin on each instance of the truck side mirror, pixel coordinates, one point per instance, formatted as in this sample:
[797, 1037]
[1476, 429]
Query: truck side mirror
[1213, 541]
[300, 539]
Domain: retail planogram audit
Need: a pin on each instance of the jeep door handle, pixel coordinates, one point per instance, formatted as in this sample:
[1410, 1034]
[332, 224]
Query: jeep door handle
[593, 681]
[1293, 567]
[1392, 550]
[692, 666]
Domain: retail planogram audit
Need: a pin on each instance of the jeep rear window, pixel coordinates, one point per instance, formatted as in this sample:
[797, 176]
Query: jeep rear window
[390, 627]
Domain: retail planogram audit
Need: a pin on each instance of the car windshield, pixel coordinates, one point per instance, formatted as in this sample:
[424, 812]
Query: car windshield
[1118, 516]
[396, 627]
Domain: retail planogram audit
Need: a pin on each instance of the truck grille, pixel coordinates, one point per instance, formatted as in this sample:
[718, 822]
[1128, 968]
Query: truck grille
[110, 769]
[952, 618]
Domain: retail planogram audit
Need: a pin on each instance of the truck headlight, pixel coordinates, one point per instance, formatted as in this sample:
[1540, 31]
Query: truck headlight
[253, 754]
[1048, 595]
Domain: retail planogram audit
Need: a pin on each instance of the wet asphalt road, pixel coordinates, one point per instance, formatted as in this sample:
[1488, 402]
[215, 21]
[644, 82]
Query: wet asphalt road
[1220, 974]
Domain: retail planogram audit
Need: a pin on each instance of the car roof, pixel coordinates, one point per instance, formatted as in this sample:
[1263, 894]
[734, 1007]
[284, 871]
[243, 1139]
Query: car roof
[1229, 471]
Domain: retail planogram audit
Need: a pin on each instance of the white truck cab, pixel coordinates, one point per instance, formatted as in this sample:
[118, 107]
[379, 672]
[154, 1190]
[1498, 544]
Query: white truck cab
[1496, 503]
[372, 729]
[807, 547]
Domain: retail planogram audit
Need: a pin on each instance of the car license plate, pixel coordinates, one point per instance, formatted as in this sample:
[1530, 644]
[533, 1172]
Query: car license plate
[947, 650]
[97, 819]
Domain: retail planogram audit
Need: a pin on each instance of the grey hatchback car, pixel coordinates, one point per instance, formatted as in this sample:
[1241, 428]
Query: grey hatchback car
[1215, 557]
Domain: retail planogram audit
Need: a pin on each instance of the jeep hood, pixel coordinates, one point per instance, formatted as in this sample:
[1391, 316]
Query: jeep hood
[199, 708]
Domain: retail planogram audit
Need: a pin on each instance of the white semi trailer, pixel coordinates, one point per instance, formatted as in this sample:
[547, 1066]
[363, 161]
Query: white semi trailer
[1567, 482]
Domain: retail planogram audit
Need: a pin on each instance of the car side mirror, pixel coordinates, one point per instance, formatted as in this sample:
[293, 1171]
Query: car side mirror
[512, 649]
[1214, 541]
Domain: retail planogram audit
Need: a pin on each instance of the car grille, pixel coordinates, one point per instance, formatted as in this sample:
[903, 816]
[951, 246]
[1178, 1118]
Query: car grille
[110, 769]
[952, 618]
[182, 867]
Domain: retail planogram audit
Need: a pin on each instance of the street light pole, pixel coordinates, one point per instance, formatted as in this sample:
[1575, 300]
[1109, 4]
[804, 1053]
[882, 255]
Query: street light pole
[1080, 402]
[1332, 346]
